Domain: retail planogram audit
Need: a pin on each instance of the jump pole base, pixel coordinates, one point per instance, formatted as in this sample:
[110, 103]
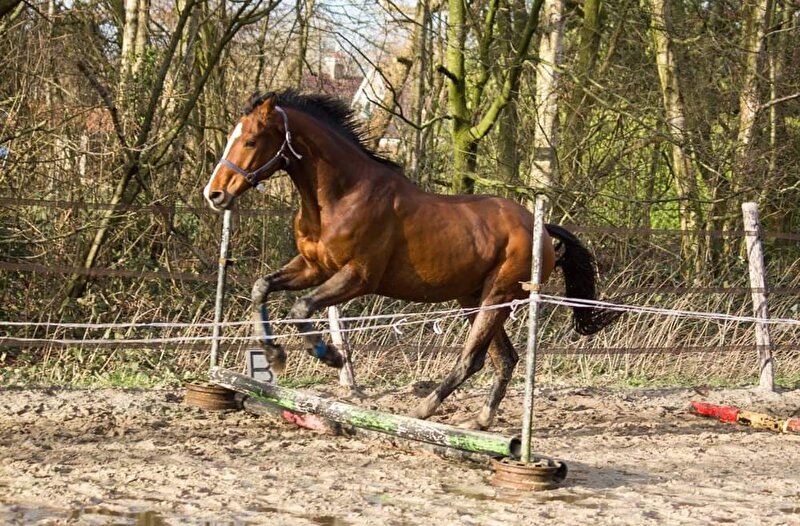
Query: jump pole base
[538, 474]
[209, 397]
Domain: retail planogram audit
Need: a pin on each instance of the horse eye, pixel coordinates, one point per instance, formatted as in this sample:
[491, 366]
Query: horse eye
[250, 144]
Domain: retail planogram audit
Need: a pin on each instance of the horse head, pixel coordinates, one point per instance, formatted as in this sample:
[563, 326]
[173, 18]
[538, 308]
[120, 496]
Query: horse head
[258, 146]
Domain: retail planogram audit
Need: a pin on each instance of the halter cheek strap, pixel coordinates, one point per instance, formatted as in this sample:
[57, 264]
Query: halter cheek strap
[252, 178]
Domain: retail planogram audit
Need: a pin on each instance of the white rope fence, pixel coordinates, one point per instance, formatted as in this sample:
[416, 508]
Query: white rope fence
[439, 313]
[573, 302]
[432, 318]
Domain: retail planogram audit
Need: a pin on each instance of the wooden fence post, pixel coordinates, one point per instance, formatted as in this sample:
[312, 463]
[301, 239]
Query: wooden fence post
[347, 377]
[758, 290]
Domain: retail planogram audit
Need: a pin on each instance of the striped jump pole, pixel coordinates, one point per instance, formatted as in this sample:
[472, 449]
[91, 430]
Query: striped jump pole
[734, 415]
[359, 417]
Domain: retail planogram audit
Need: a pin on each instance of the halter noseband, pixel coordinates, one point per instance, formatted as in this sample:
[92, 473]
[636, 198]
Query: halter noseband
[252, 177]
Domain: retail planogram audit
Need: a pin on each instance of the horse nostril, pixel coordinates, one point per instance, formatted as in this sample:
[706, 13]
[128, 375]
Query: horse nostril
[216, 197]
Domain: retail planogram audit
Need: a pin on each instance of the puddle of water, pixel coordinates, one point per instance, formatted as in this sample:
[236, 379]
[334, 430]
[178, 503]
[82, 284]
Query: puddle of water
[573, 499]
[791, 510]
[469, 492]
[322, 520]
[512, 496]
[143, 518]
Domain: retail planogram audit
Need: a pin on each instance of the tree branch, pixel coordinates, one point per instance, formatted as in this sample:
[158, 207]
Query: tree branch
[773, 102]
[105, 94]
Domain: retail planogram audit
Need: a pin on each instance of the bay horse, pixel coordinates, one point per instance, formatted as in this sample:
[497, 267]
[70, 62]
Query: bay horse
[364, 228]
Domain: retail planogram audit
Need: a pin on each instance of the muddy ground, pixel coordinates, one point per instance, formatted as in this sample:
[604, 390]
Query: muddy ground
[143, 457]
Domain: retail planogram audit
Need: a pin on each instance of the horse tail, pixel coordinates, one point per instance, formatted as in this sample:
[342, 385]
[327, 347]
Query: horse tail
[579, 269]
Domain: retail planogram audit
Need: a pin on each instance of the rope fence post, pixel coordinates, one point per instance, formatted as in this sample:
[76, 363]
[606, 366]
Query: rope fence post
[223, 265]
[758, 291]
[533, 324]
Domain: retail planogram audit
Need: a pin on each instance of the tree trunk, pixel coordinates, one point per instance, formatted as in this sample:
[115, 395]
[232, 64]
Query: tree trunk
[507, 150]
[509, 23]
[262, 54]
[578, 111]
[781, 208]
[303, 11]
[457, 96]
[127, 56]
[142, 35]
[755, 16]
[415, 155]
[684, 177]
[544, 168]
[749, 101]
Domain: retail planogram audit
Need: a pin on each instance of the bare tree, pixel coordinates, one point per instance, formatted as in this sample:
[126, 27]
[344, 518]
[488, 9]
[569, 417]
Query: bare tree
[545, 136]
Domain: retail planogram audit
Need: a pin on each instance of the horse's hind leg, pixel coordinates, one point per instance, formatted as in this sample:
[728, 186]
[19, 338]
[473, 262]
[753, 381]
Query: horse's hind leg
[504, 359]
[471, 360]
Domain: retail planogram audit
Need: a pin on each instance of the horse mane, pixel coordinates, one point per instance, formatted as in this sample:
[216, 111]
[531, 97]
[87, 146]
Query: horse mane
[326, 108]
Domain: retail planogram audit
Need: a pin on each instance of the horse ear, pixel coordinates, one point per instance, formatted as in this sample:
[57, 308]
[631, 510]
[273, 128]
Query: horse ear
[265, 108]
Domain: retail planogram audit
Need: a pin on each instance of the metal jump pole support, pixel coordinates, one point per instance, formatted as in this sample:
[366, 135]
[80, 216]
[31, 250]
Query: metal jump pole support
[223, 265]
[539, 211]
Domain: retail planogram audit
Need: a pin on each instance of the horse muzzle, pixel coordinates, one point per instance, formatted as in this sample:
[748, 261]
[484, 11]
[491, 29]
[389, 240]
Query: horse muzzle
[218, 200]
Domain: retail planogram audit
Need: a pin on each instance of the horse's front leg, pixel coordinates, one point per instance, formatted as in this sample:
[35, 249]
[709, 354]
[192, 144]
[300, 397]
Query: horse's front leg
[346, 284]
[298, 274]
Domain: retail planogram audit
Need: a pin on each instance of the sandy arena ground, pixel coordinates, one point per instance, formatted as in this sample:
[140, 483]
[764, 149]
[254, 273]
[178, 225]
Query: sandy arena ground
[142, 457]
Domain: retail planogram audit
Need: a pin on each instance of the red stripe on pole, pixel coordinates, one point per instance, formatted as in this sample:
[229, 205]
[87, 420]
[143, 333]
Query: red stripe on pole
[307, 421]
[725, 413]
[792, 425]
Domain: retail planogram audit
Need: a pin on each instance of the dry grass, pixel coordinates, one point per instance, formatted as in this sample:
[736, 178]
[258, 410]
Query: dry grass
[639, 348]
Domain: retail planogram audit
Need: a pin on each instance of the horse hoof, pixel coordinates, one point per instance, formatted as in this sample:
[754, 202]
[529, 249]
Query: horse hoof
[276, 357]
[327, 355]
[422, 412]
[333, 359]
[472, 424]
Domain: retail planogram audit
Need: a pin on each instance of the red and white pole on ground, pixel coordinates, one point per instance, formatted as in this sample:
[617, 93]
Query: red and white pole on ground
[731, 414]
